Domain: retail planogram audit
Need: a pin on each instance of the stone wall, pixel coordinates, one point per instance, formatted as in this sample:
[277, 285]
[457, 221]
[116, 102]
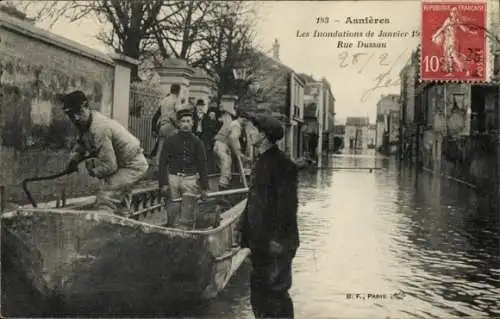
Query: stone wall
[35, 136]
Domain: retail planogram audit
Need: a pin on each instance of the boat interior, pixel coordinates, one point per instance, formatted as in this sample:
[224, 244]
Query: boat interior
[149, 206]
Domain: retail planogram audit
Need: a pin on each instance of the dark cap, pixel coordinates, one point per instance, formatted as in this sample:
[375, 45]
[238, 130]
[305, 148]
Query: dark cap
[73, 102]
[272, 127]
[184, 112]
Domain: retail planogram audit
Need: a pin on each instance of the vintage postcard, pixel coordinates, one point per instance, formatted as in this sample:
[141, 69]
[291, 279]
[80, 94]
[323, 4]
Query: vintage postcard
[250, 159]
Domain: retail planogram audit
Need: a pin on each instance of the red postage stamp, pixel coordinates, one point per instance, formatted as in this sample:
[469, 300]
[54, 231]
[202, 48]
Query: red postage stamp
[454, 41]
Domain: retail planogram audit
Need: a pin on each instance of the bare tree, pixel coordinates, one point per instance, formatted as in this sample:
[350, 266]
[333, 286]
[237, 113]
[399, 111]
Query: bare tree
[132, 22]
[228, 45]
[187, 26]
[214, 35]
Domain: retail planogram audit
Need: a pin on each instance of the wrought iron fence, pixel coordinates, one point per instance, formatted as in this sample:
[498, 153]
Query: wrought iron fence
[143, 105]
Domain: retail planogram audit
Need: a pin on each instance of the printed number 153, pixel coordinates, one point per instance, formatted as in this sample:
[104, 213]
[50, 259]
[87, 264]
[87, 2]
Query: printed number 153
[322, 20]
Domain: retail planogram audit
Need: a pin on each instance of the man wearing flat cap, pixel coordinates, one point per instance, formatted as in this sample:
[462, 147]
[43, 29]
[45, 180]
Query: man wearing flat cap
[183, 172]
[118, 160]
[269, 222]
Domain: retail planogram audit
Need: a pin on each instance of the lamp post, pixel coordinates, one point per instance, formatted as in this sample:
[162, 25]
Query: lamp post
[240, 76]
[386, 137]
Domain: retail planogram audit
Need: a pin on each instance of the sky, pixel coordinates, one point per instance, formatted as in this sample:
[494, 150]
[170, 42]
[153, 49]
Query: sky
[351, 72]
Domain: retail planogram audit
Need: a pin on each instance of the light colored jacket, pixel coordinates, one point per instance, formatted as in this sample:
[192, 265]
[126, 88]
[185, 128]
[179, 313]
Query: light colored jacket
[114, 146]
[229, 130]
[168, 106]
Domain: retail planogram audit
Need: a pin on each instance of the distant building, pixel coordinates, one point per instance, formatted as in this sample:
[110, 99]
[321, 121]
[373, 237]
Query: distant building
[320, 105]
[372, 135]
[357, 133]
[279, 90]
[387, 130]
[338, 137]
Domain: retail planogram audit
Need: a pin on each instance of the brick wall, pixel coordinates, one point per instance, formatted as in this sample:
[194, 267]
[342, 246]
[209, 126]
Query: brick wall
[34, 134]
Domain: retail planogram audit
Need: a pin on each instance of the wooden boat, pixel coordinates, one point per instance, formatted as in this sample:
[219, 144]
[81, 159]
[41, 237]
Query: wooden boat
[88, 262]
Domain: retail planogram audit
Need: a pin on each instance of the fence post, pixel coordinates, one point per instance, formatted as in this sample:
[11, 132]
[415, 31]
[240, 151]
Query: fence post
[2, 199]
[63, 197]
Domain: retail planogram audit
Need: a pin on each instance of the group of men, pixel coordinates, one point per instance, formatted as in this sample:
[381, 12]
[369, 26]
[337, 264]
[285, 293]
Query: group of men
[269, 222]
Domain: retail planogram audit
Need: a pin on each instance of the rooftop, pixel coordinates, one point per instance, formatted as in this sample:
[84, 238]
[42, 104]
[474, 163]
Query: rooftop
[357, 121]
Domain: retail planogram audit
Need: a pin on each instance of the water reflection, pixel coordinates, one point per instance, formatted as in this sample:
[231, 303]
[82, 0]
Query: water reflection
[385, 231]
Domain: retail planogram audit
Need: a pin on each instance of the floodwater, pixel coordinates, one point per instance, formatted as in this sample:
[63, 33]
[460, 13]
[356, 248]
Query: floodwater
[404, 245]
[417, 244]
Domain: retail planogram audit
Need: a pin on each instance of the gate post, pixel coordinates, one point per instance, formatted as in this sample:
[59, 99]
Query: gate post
[175, 71]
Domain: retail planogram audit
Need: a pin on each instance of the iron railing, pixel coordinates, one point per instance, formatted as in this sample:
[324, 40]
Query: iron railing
[143, 105]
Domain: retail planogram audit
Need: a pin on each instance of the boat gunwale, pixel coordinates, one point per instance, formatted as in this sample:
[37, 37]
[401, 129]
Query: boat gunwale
[124, 221]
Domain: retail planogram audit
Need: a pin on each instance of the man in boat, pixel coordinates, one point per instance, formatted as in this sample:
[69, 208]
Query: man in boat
[269, 222]
[118, 160]
[183, 171]
[164, 120]
[227, 144]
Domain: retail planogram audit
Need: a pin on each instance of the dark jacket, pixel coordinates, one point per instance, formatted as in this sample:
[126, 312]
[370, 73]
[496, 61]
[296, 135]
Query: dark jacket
[197, 121]
[183, 153]
[209, 129]
[271, 210]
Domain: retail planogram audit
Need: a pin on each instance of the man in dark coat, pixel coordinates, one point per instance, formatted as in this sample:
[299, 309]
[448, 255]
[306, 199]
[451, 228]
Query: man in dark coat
[269, 221]
[210, 125]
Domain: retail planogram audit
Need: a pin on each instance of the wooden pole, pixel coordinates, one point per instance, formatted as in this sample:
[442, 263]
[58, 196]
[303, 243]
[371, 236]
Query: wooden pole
[3, 200]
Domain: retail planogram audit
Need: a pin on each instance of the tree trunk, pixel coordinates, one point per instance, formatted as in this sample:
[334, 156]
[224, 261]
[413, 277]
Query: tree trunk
[131, 48]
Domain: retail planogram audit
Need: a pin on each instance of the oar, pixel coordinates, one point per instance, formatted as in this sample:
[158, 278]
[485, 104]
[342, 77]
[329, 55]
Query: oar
[155, 148]
[219, 193]
[242, 171]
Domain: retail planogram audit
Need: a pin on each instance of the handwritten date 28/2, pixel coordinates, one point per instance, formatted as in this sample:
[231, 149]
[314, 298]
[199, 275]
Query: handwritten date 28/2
[362, 59]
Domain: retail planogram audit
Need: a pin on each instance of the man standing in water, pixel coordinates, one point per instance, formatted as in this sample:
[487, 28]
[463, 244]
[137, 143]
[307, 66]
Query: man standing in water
[269, 221]
[119, 162]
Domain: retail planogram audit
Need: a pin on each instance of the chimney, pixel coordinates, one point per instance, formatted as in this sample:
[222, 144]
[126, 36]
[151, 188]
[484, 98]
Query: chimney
[276, 50]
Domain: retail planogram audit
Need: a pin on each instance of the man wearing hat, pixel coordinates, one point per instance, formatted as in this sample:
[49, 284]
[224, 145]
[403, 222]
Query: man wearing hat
[119, 161]
[227, 144]
[269, 222]
[199, 114]
[183, 171]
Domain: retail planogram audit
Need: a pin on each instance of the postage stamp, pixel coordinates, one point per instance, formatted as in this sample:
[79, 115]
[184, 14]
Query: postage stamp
[454, 45]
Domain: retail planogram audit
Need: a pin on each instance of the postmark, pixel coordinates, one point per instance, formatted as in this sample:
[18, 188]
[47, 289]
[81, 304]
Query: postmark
[454, 44]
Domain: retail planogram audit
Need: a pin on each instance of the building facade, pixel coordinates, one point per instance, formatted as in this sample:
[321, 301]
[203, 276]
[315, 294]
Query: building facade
[387, 123]
[408, 128]
[294, 138]
[357, 133]
[372, 135]
[319, 99]
[456, 128]
[278, 89]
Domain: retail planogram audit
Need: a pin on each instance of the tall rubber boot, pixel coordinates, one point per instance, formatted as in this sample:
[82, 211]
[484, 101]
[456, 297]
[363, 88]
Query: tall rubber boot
[173, 213]
[224, 200]
[188, 210]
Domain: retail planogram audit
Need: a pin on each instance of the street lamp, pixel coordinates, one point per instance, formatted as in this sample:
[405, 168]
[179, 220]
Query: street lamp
[241, 76]
[240, 73]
